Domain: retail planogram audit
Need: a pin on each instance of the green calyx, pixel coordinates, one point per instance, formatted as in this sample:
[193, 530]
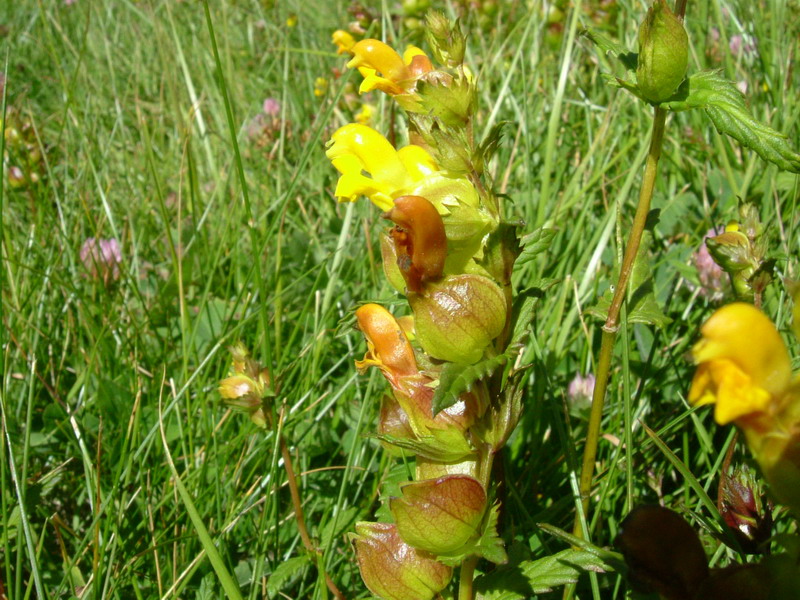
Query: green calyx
[663, 53]
[457, 319]
[440, 515]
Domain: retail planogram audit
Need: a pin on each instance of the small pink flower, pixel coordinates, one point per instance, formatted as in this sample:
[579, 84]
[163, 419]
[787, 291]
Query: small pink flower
[580, 390]
[101, 258]
[742, 44]
[709, 273]
[271, 107]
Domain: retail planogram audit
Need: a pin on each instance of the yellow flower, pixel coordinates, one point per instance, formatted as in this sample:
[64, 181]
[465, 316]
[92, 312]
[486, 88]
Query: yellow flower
[384, 69]
[320, 86]
[388, 347]
[743, 364]
[344, 41]
[291, 20]
[356, 149]
[364, 116]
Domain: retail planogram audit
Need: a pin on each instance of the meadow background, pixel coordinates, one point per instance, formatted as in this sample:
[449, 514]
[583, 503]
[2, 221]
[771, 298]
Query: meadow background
[149, 132]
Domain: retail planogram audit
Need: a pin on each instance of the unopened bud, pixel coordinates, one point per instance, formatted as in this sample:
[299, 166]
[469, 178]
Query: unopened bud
[744, 510]
[663, 53]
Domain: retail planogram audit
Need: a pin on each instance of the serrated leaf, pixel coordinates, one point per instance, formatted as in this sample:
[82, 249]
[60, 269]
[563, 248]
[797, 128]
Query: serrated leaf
[534, 244]
[642, 304]
[491, 142]
[726, 107]
[527, 309]
[628, 59]
[457, 378]
[538, 576]
[283, 572]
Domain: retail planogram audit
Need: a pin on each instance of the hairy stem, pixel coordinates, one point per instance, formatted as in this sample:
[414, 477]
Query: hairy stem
[300, 517]
[611, 325]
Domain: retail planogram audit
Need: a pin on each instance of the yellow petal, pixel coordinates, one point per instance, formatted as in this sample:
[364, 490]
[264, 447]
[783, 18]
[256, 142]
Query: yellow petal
[734, 392]
[376, 82]
[744, 335]
[377, 156]
[351, 186]
[388, 346]
[347, 164]
[343, 40]
[377, 55]
[417, 162]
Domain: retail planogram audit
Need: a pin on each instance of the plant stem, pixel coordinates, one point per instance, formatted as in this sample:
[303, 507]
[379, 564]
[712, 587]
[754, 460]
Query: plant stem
[611, 325]
[465, 578]
[300, 517]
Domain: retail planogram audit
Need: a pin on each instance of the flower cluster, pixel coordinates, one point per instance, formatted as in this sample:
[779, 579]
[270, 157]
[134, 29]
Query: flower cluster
[446, 252]
[23, 159]
[744, 369]
[247, 387]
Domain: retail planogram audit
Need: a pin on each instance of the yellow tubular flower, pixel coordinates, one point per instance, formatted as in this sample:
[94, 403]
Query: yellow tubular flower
[743, 364]
[384, 69]
[388, 347]
[356, 149]
[344, 41]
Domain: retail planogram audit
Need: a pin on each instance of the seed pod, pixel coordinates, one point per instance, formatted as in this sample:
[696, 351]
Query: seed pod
[393, 570]
[456, 319]
[439, 515]
[663, 53]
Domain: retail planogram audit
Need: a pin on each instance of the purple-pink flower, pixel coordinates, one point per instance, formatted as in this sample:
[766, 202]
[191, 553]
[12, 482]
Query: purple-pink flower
[101, 258]
[271, 107]
[580, 390]
[710, 274]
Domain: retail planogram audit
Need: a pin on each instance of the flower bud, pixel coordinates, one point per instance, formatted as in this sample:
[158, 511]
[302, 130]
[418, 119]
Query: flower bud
[247, 386]
[456, 319]
[439, 515]
[663, 53]
[393, 570]
[743, 509]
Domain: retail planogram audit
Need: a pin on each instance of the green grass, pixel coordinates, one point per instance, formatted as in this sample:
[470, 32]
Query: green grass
[145, 123]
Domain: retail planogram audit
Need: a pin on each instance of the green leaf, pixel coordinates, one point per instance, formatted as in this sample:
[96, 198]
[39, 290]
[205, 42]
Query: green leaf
[529, 577]
[457, 378]
[527, 309]
[491, 142]
[535, 243]
[628, 59]
[726, 107]
[342, 523]
[642, 304]
[284, 572]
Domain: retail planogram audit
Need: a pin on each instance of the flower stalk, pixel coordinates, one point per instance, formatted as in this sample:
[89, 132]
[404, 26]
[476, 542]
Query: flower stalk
[611, 325]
